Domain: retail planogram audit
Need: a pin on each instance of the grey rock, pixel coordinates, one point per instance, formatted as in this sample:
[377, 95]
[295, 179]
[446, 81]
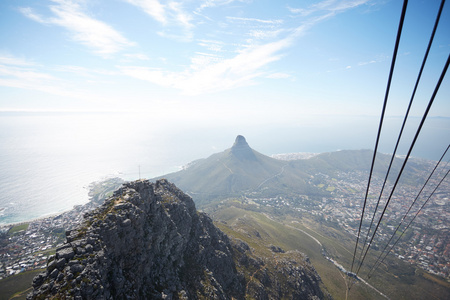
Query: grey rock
[76, 268]
[126, 223]
[65, 252]
[147, 241]
[89, 248]
[69, 276]
[51, 266]
[276, 249]
[39, 279]
[60, 263]
[54, 274]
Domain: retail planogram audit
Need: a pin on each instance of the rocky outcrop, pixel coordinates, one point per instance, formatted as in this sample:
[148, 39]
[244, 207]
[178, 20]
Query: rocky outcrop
[241, 150]
[148, 241]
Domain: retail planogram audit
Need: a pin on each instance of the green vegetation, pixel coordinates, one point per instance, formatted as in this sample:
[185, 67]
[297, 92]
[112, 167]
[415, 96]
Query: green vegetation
[17, 228]
[330, 189]
[60, 233]
[17, 286]
[98, 191]
[395, 278]
[227, 174]
[259, 231]
[100, 215]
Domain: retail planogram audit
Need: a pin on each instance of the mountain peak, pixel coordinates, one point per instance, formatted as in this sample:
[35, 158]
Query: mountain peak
[242, 150]
[147, 241]
[240, 142]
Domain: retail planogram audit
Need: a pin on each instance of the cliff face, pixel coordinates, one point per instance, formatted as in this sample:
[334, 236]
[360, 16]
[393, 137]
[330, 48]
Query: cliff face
[148, 241]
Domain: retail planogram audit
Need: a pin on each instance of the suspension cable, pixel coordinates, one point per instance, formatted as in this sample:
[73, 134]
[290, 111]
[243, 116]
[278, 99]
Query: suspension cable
[404, 120]
[441, 78]
[374, 267]
[391, 72]
[406, 214]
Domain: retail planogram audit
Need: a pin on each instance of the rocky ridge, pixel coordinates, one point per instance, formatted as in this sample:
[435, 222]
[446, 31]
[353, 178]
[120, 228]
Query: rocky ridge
[147, 241]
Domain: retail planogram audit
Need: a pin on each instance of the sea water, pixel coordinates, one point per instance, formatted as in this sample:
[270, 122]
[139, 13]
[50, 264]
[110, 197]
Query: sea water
[48, 160]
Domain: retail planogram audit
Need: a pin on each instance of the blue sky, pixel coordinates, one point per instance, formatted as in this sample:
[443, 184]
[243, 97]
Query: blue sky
[219, 60]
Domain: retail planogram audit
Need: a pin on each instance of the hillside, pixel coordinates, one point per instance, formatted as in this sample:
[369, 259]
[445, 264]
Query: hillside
[328, 189]
[234, 171]
[319, 240]
[241, 170]
[147, 241]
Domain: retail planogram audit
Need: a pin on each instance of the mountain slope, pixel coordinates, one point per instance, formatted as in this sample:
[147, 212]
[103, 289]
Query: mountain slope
[233, 171]
[242, 170]
[147, 241]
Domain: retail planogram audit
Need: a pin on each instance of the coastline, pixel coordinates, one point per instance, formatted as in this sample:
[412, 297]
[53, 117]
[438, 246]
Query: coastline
[97, 192]
[50, 215]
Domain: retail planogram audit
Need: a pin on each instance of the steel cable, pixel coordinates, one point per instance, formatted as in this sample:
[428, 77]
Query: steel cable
[441, 78]
[404, 121]
[391, 72]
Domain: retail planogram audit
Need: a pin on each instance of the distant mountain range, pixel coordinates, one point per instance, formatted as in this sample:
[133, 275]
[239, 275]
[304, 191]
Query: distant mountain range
[240, 169]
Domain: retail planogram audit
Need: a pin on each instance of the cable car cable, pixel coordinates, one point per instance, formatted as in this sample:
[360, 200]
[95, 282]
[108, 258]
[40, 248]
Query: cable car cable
[374, 267]
[441, 78]
[404, 120]
[391, 72]
[410, 207]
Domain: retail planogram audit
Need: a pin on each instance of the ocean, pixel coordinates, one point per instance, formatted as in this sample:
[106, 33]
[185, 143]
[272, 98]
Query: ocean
[48, 160]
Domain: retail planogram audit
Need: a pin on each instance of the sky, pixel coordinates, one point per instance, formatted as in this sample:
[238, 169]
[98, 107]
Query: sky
[248, 62]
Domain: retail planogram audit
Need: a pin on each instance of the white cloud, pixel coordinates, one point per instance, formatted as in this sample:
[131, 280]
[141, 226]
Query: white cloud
[264, 34]
[28, 12]
[6, 59]
[171, 14]
[226, 66]
[180, 15]
[332, 6]
[25, 74]
[322, 11]
[213, 3]
[215, 74]
[157, 76]
[82, 71]
[133, 56]
[299, 11]
[257, 29]
[153, 8]
[201, 60]
[99, 36]
[212, 45]
[209, 73]
[274, 22]
[378, 59]
[363, 63]
[25, 77]
[278, 76]
[22, 74]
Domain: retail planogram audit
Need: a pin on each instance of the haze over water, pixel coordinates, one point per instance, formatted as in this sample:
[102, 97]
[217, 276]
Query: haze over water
[49, 159]
[181, 80]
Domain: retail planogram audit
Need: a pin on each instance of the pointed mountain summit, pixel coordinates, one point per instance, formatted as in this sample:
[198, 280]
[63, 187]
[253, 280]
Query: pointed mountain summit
[240, 170]
[234, 171]
[240, 142]
[242, 150]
